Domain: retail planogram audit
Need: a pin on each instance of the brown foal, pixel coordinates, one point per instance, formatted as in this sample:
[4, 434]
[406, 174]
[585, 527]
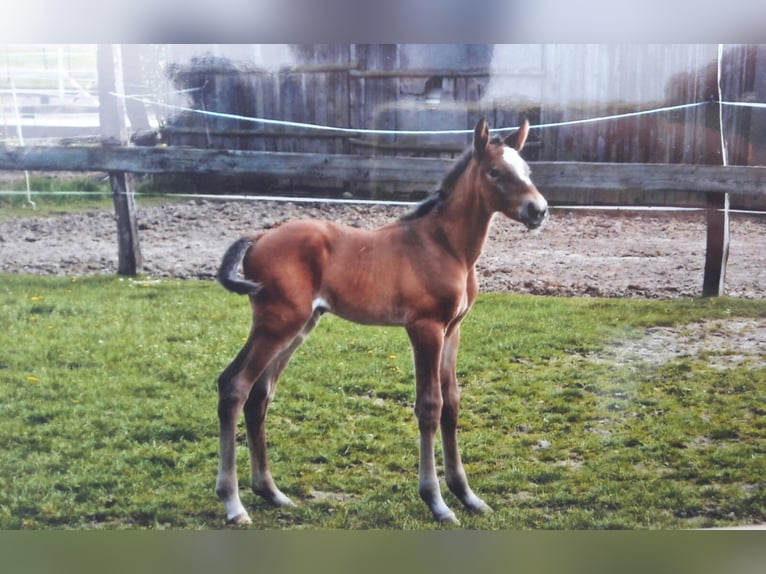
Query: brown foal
[417, 272]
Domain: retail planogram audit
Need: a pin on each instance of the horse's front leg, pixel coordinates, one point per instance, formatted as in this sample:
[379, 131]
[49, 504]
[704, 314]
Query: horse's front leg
[427, 340]
[453, 465]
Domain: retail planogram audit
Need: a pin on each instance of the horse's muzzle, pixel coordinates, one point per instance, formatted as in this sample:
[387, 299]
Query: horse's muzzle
[535, 213]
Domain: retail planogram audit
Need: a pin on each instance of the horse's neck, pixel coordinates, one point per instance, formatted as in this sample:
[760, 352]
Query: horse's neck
[465, 220]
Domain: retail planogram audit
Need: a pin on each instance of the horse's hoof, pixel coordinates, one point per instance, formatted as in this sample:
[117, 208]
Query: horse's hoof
[475, 504]
[483, 508]
[273, 496]
[280, 499]
[448, 518]
[240, 520]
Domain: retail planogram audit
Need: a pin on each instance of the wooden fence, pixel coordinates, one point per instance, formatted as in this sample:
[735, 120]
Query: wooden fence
[709, 184]
[558, 179]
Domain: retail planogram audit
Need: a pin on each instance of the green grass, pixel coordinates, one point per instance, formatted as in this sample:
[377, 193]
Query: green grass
[108, 415]
[53, 195]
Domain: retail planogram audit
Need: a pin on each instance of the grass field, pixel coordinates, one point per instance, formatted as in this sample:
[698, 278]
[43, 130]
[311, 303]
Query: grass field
[108, 415]
[61, 193]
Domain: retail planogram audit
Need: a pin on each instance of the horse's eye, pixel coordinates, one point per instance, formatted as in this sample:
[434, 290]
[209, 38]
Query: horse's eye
[495, 173]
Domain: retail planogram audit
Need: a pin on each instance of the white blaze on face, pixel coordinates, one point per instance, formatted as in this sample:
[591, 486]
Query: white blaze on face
[517, 165]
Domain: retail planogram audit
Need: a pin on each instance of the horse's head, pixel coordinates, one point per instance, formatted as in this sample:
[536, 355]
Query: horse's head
[505, 177]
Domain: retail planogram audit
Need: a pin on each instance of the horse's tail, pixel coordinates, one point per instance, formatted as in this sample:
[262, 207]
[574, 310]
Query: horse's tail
[227, 272]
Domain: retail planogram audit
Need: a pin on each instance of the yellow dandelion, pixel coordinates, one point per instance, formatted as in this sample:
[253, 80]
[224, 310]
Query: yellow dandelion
[32, 379]
[36, 298]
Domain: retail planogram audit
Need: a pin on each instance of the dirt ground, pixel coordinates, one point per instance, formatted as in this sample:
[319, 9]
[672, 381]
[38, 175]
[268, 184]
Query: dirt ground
[638, 254]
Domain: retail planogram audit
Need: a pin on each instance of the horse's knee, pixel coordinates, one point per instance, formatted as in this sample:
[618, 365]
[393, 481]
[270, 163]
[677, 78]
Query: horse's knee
[428, 412]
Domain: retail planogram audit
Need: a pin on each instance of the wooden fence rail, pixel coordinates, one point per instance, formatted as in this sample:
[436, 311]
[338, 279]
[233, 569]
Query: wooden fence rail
[710, 184]
[421, 173]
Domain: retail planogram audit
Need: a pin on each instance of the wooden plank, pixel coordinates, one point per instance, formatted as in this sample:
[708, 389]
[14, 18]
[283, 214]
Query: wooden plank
[717, 251]
[750, 181]
[380, 93]
[650, 177]
[757, 131]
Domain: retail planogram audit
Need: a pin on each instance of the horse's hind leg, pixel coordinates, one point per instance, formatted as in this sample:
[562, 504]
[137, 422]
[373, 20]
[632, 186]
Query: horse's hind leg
[234, 389]
[232, 392]
[453, 466]
[256, 408]
[255, 415]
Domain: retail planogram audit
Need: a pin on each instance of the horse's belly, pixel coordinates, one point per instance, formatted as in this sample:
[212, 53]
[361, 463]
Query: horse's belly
[368, 312]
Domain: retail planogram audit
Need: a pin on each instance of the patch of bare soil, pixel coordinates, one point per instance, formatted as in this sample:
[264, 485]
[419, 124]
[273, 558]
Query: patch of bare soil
[576, 254]
[724, 344]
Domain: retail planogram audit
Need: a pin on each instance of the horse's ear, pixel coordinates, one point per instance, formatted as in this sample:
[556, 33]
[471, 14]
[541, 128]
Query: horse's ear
[518, 138]
[480, 137]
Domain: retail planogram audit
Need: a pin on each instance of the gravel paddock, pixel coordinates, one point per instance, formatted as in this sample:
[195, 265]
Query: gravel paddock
[578, 253]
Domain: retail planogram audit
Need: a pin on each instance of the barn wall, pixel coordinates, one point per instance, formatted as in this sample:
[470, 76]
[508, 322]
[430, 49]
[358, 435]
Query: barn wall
[382, 87]
[410, 87]
[422, 87]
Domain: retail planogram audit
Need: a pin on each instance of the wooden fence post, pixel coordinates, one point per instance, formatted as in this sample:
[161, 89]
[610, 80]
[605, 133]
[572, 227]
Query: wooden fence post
[717, 252]
[114, 134]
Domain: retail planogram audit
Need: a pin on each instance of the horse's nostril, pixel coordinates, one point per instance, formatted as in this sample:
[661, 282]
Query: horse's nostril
[536, 212]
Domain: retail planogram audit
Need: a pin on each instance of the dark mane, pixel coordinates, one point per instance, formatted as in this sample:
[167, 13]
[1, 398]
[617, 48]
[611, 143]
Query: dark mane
[445, 188]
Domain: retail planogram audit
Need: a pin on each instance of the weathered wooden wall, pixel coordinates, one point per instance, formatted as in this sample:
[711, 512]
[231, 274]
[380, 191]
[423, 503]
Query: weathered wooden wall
[583, 82]
[421, 87]
[358, 86]
[432, 87]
